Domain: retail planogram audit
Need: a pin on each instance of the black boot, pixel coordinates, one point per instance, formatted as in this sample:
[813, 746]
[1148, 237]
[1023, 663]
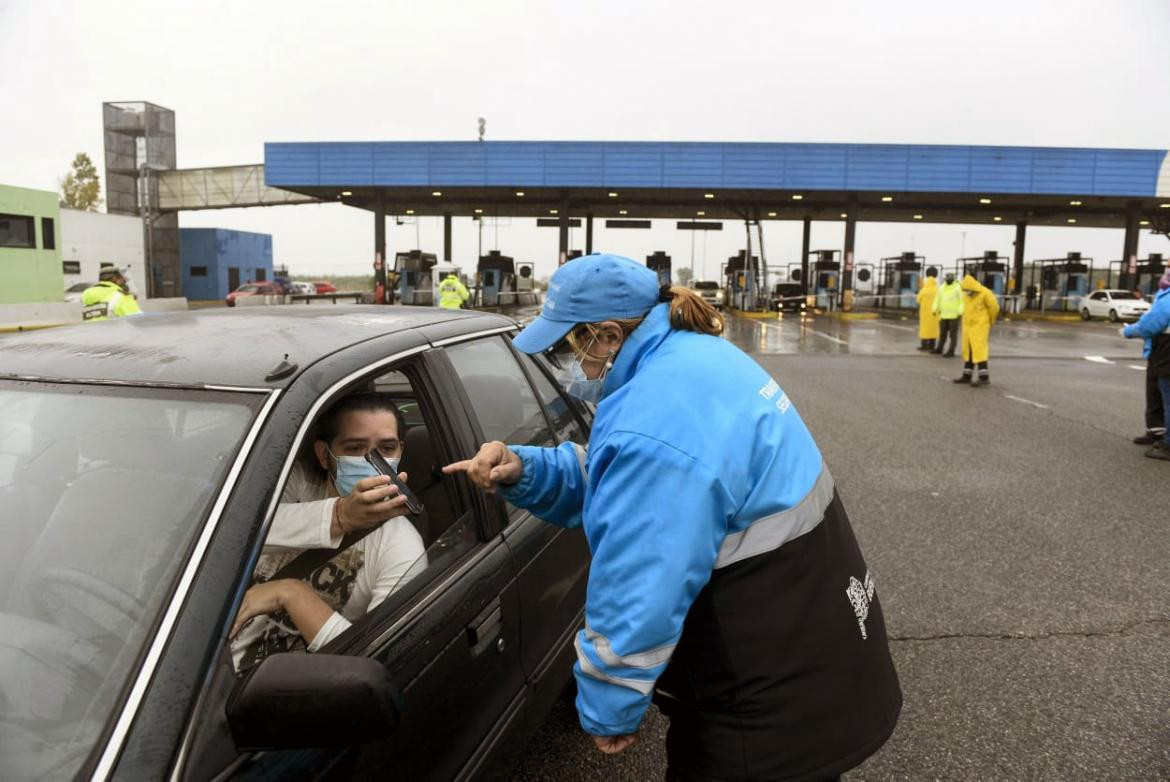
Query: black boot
[1160, 451]
[984, 375]
[1150, 437]
[922, 345]
[968, 368]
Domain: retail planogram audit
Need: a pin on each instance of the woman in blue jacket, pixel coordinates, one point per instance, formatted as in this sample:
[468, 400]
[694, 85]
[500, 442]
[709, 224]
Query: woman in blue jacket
[726, 582]
[1154, 328]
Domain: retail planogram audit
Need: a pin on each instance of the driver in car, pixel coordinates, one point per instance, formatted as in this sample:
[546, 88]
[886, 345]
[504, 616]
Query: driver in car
[340, 494]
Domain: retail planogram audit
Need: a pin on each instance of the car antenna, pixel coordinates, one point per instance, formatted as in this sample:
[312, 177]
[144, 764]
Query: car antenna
[281, 370]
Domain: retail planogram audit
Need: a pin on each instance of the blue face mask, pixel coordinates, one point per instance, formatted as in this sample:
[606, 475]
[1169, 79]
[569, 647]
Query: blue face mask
[351, 469]
[581, 386]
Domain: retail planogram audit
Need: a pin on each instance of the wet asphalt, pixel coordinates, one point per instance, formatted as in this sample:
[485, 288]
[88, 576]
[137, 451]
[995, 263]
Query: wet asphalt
[1019, 543]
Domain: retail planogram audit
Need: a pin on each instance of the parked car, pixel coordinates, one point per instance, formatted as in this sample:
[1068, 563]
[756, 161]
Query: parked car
[300, 288]
[324, 286]
[1116, 305]
[139, 485]
[787, 297]
[254, 289]
[710, 291]
[74, 291]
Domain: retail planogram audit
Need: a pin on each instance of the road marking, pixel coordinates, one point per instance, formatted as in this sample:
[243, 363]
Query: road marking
[828, 337]
[892, 326]
[1138, 367]
[1026, 401]
[1098, 359]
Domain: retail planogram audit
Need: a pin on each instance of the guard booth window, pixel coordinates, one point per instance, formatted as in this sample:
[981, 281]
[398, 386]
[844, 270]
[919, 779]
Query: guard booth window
[48, 234]
[17, 231]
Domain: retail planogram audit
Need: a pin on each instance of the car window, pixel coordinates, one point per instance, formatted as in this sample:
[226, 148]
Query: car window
[566, 424]
[1123, 296]
[1099, 296]
[248, 288]
[360, 578]
[499, 393]
[103, 489]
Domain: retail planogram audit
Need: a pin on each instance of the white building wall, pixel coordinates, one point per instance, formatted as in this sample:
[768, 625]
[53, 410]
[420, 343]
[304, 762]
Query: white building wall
[94, 238]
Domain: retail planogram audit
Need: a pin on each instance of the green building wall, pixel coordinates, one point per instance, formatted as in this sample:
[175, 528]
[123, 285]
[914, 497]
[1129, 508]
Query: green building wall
[32, 274]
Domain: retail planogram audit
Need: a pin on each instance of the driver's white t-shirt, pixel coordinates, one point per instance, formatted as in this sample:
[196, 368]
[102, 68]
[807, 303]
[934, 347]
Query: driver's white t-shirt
[355, 582]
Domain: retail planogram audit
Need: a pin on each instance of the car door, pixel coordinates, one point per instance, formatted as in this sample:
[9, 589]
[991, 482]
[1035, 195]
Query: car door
[517, 403]
[1099, 304]
[449, 639]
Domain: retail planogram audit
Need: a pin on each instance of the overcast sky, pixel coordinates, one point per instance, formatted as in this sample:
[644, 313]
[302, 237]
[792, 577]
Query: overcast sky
[1013, 72]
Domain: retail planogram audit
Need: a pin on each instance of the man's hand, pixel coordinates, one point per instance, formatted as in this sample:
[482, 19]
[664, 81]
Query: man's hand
[266, 598]
[611, 745]
[372, 501]
[494, 464]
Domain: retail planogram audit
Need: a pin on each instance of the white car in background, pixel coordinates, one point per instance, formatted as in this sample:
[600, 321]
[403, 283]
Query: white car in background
[301, 289]
[73, 292]
[710, 291]
[1116, 305]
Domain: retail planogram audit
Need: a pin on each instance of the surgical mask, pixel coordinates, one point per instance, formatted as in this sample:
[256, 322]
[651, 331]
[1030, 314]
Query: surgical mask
[349, 470]
[581, 386]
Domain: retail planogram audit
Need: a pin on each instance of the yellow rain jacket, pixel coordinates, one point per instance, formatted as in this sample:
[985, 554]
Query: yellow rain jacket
[927, 317]
[107, 300]
[979, 312]
[452, 293]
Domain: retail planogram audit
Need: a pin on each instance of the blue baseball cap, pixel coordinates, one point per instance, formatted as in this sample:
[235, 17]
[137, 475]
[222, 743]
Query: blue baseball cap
[589, 289]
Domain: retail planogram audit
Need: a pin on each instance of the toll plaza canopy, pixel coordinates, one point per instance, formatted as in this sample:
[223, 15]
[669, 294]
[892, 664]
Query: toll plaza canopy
[715, 180]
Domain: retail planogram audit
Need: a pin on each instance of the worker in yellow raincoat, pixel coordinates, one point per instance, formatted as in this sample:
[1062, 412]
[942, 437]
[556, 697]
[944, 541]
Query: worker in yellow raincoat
[979, 311]
[927, 317]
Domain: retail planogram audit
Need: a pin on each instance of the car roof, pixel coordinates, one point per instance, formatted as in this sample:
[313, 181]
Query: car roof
[220, 346]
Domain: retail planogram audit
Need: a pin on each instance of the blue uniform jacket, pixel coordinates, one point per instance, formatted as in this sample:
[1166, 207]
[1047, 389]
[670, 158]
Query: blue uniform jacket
[1154, 322]
[697, 460]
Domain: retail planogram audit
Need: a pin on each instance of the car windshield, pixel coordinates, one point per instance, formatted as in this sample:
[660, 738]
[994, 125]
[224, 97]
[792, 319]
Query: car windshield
[707, 286]
[103, 489]
[247, 289]
[1123, 295]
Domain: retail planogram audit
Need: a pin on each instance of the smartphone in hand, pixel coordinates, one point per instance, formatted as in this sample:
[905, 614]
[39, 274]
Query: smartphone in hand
[382, 466]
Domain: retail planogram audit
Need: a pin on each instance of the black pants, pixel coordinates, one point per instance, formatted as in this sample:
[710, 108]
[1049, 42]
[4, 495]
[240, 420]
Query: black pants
[1155, 416]
[948, 327]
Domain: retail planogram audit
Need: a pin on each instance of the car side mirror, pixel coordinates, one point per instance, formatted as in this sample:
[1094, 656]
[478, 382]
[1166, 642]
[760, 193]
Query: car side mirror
[298, 700]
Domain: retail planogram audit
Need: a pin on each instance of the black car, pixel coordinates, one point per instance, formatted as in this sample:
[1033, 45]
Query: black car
[788, 297]
[141, 464]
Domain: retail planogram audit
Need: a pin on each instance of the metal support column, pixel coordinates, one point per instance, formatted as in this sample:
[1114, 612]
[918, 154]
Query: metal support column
[1129, 256]
[1018, 264]
[804, 251]
[847, 258]
[563, 231]
[381, 294]
[589, 234]
[447, 238]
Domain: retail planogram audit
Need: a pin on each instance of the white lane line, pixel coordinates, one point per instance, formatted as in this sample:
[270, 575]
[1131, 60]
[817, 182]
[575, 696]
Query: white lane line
[828, 337]
[1138, 367]
[892, 326]
[1098, 359]
[1026, 401]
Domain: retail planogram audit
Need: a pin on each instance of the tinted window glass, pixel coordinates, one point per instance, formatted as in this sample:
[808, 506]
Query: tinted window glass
[500, 395]
[48, 234]
[1124, 296]
[565, 423]
[17, 231]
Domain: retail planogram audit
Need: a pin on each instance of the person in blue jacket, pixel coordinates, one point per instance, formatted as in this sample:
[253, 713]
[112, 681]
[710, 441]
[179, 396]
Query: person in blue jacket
[726, 582]
[1154, 328]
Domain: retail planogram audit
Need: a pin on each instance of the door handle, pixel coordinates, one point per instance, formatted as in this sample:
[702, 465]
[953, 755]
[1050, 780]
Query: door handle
[485, 629]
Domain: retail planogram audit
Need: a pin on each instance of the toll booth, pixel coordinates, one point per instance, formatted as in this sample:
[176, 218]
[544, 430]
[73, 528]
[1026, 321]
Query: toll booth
[416, 284]
[826, 277]
[991, 269]
[659, 263]
[898, 280]
[740, 280]
[1149, 272]
[495, 279]
[1059, 284]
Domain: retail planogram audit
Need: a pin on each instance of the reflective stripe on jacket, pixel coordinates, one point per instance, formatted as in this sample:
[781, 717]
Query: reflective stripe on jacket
[701, 487]
[107, 300]
[452, 293]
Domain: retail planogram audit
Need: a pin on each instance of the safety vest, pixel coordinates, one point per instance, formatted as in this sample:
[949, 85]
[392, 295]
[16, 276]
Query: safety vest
[452, 293]
[107, 300]
[949, 301]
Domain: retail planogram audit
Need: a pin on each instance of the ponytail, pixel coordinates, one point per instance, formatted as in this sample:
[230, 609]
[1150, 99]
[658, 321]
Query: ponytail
[690, 312]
